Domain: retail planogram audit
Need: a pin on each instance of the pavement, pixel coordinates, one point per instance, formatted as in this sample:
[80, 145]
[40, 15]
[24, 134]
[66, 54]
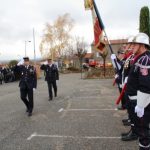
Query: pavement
[82, 117]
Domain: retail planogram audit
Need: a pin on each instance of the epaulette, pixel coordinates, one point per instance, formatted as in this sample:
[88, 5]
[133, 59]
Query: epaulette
[144, 61]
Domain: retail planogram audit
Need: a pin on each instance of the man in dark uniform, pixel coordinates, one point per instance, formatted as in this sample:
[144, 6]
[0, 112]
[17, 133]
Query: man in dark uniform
[1, 75]
[120, 60]
[129, 56]
[138, 90]
[51, 75]
[28, 83]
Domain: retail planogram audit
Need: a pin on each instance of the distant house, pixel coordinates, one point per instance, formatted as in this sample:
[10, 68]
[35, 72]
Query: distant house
[116, 45]
[88, 56]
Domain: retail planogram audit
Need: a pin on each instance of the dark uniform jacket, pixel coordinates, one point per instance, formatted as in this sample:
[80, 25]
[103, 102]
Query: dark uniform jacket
[51, 72]
[119, 78]
[28, 77]
[139, 75]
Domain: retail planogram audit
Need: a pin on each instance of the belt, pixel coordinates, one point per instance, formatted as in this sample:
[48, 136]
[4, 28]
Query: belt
[133, 97]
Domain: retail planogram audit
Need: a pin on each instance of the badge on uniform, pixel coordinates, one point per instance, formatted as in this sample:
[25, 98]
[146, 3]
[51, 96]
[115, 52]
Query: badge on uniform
[144, 71]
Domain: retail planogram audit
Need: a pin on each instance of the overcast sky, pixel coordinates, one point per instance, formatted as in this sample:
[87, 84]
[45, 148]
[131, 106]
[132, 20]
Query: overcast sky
[19, 17]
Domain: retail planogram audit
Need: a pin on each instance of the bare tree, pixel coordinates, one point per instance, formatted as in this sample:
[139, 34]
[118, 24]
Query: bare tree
[81, 50]
[104, 55]
[56, 37]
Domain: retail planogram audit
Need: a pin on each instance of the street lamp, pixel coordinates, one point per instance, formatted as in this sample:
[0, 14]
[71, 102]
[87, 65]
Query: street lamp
[25, 48]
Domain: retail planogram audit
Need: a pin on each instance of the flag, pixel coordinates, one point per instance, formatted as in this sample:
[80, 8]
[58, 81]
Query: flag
[88, 4]
[99, 39]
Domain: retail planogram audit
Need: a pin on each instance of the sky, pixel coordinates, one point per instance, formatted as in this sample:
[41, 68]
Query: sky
[19, 17]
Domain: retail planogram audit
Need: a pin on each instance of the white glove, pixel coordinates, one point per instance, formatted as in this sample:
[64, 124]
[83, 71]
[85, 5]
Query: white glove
[21, 62]
[113, 59]
[113, 56]
[34, 89]
[44, 63]
[139, 111]
[126, 80]
[116, 76]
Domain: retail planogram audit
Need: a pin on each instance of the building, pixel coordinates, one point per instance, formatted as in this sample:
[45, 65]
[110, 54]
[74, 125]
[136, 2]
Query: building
[116, 45]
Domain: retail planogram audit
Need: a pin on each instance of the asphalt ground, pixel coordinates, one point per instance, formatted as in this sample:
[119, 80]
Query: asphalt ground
[82, 117]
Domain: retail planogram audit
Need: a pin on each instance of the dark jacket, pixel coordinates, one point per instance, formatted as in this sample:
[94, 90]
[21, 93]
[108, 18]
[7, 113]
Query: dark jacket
[51, 72]
[139, 75]
[28, 77]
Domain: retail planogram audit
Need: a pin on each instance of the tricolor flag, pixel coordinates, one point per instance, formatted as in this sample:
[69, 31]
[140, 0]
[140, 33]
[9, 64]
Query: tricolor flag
[88, 4]
[99, 40]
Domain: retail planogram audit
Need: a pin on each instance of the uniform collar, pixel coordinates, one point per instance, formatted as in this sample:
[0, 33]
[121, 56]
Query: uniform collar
[27, 66]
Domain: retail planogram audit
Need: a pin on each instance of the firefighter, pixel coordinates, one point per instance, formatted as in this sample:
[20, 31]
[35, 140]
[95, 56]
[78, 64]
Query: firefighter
[126, 68]
[28, 83]
[120, 60]
[138, 90]
[51, 75]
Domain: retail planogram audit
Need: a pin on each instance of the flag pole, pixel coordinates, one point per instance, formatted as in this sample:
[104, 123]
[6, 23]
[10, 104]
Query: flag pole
[101, 23]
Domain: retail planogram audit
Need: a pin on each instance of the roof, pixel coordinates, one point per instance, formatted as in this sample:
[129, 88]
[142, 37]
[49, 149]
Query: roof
[88, 55]
[118, 41]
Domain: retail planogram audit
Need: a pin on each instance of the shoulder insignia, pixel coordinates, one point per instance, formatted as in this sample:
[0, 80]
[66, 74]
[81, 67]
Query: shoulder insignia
[143, 62]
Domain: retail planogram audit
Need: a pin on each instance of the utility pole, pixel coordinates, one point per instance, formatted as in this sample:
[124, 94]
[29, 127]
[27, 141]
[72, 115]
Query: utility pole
[34, 47]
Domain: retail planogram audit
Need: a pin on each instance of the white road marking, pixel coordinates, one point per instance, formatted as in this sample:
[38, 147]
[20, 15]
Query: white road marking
[31, 136]
[89, 109]
[73, 137]
[60, 110]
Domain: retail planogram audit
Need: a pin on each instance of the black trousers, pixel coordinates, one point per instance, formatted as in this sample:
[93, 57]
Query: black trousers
[26, 95]
[131, 113]
[143, 129]
[52, 84]
[140, 126]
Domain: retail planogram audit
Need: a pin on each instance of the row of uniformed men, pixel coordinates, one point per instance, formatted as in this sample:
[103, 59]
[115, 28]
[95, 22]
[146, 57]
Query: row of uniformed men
[134, 74]
[28, 81]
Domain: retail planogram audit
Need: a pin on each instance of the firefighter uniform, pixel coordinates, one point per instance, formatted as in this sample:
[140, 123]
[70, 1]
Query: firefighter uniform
[138, 91]
[121, 62]
[28, 83]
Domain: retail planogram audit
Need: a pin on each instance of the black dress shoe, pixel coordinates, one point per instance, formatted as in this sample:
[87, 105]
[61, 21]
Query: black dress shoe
[126, 133]
[144, 148]
[30, 114]
[125, 120]
[50, 99]
[127, 123]
[121, 108]
[129, 137]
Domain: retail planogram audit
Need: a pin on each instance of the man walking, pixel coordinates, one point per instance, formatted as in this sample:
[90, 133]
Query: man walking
[51, 75]
[28, 83]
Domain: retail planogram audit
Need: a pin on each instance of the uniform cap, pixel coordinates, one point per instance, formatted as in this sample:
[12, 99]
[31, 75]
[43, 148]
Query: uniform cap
[26, 58]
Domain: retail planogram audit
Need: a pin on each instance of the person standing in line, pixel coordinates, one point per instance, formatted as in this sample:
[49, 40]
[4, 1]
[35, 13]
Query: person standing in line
[138, 90]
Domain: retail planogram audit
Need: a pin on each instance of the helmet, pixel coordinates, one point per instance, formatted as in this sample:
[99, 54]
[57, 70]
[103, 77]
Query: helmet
[141, 38]
[130, 39]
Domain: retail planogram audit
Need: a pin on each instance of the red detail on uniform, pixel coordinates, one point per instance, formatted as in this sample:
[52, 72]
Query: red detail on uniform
[128, 55]
[144, 71]
[121, 94]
